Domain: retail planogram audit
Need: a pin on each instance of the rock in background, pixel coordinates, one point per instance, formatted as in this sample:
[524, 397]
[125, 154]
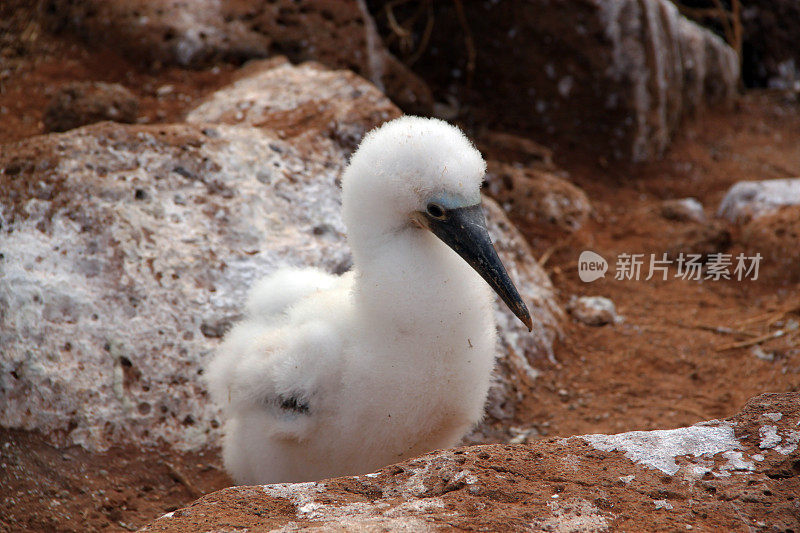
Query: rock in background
[770, 54]
[537, 200]
[337, 33]
[748, 200]
[615, 75]
[81, 103]
[618, 75]
[767, 216]
[314, 108]
[674, 480]
[128, 251]
[776, 236]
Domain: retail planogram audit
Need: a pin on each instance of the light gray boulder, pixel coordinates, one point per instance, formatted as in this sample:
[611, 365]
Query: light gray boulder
[128, 251]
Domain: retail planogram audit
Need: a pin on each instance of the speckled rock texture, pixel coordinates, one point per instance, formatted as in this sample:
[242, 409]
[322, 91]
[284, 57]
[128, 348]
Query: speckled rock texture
[337, 33]
[618, 75]
[739, 474]
[310, 106]
[127, 252]
[81, 103]
[537, 199]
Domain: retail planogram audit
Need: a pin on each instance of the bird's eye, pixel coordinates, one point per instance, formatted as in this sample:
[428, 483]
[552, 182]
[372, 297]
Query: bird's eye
[435, 210]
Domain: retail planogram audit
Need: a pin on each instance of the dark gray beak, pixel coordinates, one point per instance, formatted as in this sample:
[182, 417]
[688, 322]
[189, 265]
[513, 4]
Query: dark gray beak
[464, 230]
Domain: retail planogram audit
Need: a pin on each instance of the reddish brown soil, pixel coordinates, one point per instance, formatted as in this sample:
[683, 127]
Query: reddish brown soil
[34, 64]
[47, 489]
[660, 368]
[663, 367]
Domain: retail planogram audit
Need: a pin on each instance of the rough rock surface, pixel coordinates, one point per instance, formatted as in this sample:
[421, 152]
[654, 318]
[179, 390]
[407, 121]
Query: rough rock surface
[339, 34]
[618, 75]
[536, 198]
[752, 199]
[81, 103]
[739, 474]
[515, 149]
[776, 236]
[309, 105]
[128, 250]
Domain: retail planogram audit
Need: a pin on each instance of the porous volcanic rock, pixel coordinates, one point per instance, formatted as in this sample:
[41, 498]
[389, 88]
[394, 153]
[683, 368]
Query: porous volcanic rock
[339, 34]
[739, 474]
[616, 75]
[128, 251]
[81, 103]
[537, 199]
[766, 218]
[308, 105]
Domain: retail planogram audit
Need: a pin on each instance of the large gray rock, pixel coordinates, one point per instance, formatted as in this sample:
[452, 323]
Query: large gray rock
[738, 474]
[615, 75]
[128, 250]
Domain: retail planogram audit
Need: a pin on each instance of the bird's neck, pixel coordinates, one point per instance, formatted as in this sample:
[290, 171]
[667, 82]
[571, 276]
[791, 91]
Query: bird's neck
[411, 283]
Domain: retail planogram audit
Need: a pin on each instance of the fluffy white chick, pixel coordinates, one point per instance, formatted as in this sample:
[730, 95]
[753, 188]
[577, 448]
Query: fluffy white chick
[330, 376]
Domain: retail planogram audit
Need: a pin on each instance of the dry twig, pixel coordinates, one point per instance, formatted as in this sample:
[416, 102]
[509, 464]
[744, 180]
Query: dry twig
[468, 42]
[180, 477]
[752, 342]
[714, 329]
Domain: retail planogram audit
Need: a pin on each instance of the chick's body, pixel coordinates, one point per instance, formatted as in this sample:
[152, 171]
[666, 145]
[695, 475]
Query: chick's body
[341, 375]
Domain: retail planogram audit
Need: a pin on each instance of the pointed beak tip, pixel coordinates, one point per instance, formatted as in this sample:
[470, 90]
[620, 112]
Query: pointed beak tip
[465, 232]
[526, 319]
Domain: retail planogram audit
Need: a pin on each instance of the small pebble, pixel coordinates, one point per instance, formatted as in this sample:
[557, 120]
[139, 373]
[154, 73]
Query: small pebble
[684, 210]
[592, 310]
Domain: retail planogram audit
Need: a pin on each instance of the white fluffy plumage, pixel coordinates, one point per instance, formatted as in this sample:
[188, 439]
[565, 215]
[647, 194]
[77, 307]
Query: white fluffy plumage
[340, 375]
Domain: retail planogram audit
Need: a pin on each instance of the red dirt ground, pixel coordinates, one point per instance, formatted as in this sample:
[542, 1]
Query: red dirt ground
[662, 367]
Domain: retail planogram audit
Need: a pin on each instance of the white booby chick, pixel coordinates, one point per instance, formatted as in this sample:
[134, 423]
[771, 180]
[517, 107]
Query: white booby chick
[330, 376]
